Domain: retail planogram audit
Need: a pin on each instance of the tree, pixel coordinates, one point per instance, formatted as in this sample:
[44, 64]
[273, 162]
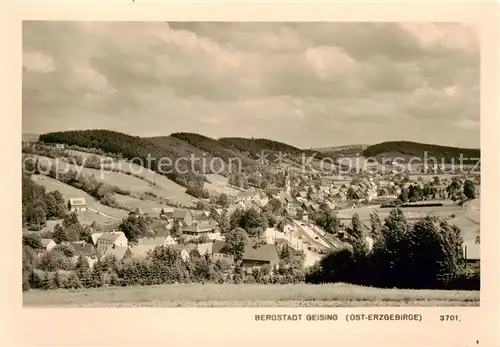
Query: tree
[236, 240]
[403, 196]
[356, 230]
[176, 230]
[276, 206]
[285, 254]
[81, 264]
[54, 260]
[251, 220]
[67, 250]
[29, 263]
[33, 241]
[328, 221]
[223, 200]
[469, 189]
[376, 224]
[73, 232]
[85, 234]
[59, 234]
[224, 223]
[388, 250]
[351, 194]
[435, 254]
[453, 190]
[134, 226]
[70, 219]
[55, 205]
[436, 180]
[272, 220]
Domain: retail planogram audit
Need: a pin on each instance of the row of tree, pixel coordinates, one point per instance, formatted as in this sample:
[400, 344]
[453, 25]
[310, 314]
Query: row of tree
[427, 254]
[57, 269]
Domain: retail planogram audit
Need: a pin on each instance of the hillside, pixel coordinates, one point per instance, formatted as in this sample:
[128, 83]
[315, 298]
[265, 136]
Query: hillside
[130, 147]
[28, 137]
[348, 150]
[415, 149]
[214, 147]
[254, 147]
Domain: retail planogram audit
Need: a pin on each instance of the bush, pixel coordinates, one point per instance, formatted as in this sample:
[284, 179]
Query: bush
[467, 279]
[54, 260]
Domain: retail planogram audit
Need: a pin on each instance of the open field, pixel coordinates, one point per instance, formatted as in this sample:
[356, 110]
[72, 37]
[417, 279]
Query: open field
[364, 212]
[256, 295]
[68, 191]
[145, 206]
[219, 184]
[163, 185]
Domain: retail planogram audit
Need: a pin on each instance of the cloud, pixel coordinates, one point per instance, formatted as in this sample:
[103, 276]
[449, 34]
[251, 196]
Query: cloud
[468, 124]
[38, 63]
[308, 84]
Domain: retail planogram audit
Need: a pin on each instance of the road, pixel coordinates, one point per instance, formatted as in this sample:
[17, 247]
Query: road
[102, 213]
[319, 239]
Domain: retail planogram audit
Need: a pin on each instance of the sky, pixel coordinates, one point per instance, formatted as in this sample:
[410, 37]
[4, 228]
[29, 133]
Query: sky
[306, 84]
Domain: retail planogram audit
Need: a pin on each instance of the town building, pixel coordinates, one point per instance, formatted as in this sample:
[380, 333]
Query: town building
[77, 205]
[286, 226]
[199, 228]
[111, 240]
[185, 217]
[258, 255]
[48, 244]
[86, 250]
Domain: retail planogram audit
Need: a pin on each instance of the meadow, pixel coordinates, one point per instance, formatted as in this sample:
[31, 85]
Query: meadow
[145, 206]
[248, 295]
[364, 212]
[219, 184]
[139, 180]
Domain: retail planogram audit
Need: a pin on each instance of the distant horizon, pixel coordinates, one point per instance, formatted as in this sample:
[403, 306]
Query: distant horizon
[259, 137]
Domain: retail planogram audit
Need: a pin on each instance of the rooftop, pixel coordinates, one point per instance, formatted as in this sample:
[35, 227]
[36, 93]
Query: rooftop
[109, 236]
[77, 201]
[265, 252]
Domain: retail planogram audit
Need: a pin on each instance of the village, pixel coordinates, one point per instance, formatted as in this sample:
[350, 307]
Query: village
[200, 232]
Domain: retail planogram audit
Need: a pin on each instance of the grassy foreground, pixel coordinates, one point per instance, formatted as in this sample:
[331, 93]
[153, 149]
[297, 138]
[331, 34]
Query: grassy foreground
[248, 295]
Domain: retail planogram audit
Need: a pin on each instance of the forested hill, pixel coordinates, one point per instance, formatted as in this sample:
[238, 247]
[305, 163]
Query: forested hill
[106, 140]
[254, 147]
[131, 147]
[213, 147]
[177, 145]
[415, 149]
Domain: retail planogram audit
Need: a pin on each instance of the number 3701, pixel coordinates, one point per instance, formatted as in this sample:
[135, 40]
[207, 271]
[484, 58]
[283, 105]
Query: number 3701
[449, 318]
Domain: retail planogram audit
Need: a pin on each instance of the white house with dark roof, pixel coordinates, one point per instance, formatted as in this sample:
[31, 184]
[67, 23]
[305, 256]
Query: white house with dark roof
[48, 244]
[201, 228]
[111, 240]
[77, 205]
[286, 226]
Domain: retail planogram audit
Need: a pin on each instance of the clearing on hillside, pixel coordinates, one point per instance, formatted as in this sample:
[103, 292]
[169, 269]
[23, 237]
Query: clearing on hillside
[105, 213]
[163, 186]
[219, 184]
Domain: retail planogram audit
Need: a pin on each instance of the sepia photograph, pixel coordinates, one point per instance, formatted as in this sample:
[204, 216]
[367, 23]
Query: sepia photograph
[251, 164]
